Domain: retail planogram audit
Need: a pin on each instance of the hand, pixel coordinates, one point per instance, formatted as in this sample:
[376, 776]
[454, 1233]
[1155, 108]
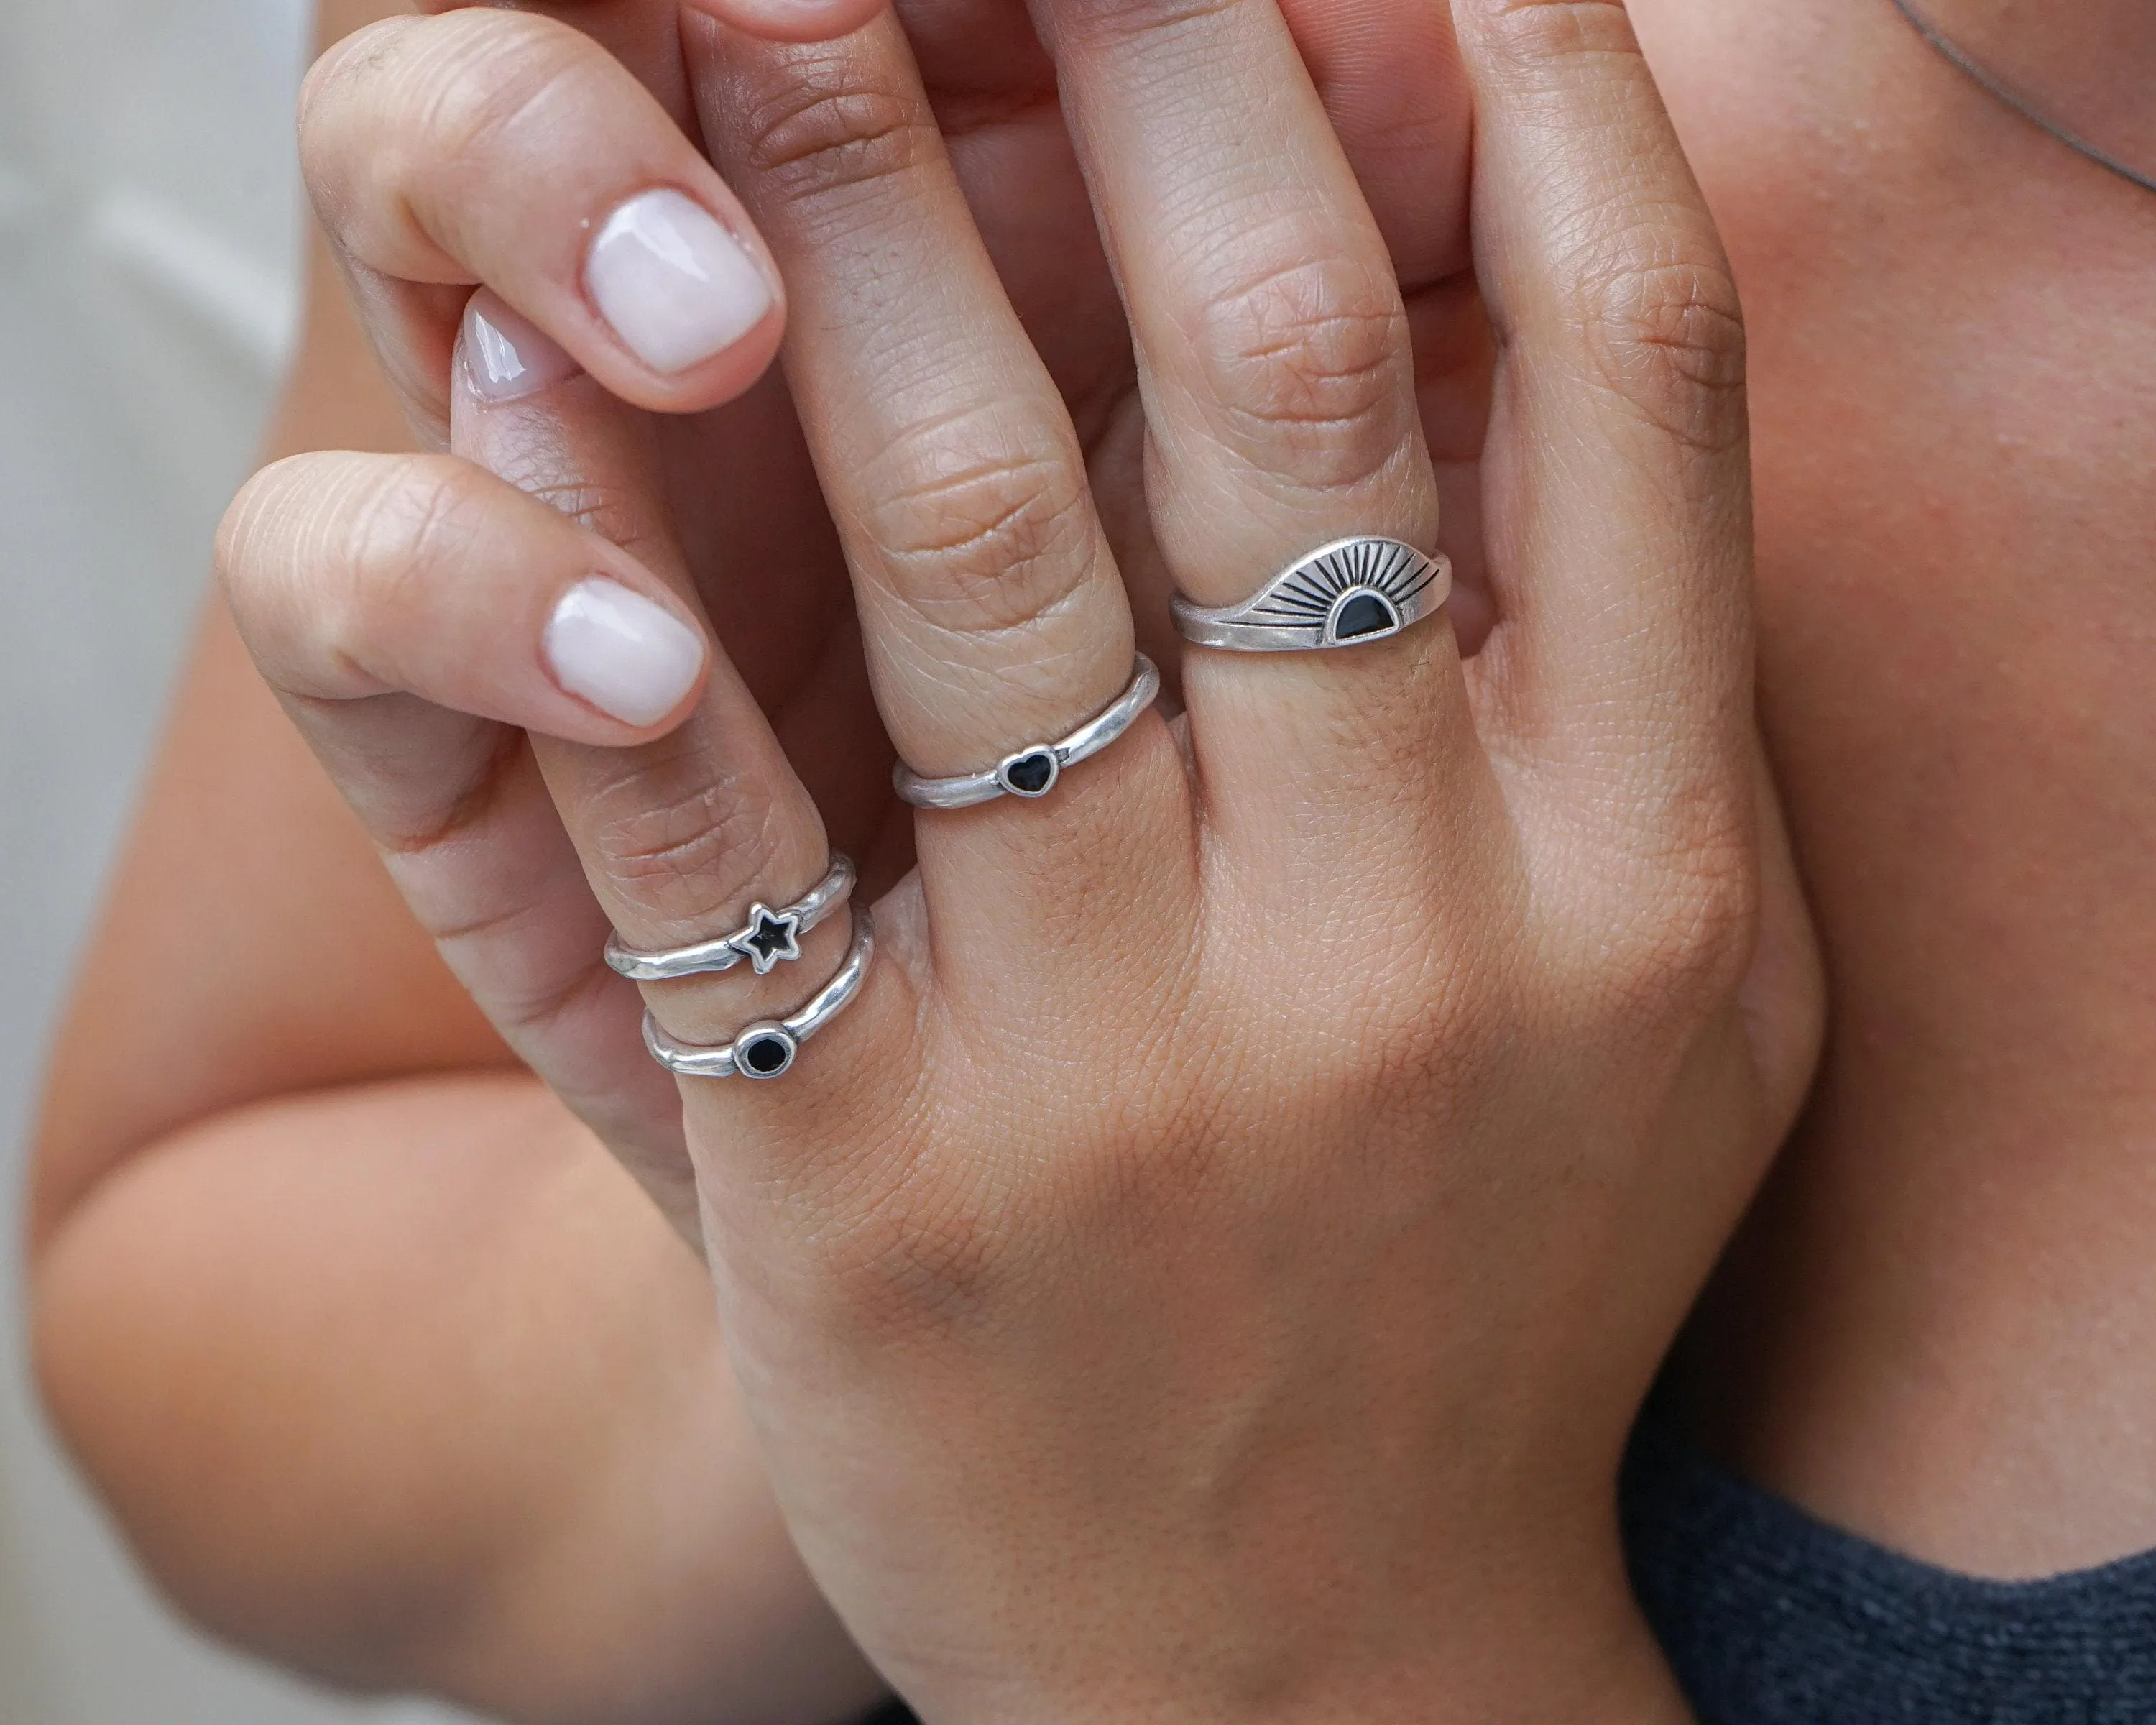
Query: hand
[1212, 1268]
[492, 145]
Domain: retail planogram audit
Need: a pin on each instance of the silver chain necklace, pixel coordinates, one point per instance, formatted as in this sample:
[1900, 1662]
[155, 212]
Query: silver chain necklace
[1993, 86]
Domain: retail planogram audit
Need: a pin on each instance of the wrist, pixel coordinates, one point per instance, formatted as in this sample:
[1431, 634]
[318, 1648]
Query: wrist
[1563, 1641]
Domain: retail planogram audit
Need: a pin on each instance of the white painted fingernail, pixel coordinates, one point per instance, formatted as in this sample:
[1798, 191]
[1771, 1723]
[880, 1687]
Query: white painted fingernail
[620, 652]
[507, 357]
[674, 284]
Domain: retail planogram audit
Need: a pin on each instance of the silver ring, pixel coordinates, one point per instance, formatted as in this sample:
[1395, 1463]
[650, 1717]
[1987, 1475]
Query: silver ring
[1341, 595]
[768, 1048]
[1033, 770]
[768, 938]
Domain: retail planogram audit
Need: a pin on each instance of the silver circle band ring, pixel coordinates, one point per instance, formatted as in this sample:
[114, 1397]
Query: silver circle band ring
[768, 938]
[769, 1048]
[1343, 594]
[1034, 770]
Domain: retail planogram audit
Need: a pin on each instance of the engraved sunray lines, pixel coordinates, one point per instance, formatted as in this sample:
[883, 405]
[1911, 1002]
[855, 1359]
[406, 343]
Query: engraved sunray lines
[1308, 593]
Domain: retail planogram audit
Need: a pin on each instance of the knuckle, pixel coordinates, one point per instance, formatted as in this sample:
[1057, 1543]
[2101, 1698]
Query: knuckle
[399, 102]
[1309, 365]
[415, 524]
[1639, 274]
[1536, 34]
[317, 551]
[1665, 332]
[979, 544]
[1123, 20]
[1680, 935]
[1709, 922]
[683, 836]
[337, 84]
[620, 511]
[495, 78]
[827, 131]
[368, 549]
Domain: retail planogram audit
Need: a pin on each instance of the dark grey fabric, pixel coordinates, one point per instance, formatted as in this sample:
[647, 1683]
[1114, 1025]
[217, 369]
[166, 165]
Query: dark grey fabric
[1772, 1618]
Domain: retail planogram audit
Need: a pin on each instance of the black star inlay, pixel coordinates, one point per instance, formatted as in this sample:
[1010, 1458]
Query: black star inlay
[772, 936]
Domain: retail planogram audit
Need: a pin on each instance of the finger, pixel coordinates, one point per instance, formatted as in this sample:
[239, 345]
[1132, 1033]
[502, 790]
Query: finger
[1280, 387]
[680, 836]
[508, 148]
[792, 20]
[1281, 407]
[337, 568]
[992, 90]
[993, 613]
[645, 35]
[359, 576]
[1618, 502]
[1390, 78]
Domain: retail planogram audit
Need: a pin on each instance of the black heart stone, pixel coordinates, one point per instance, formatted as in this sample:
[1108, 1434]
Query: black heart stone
[766, 1054]
[1364, 614]
[1031, 774]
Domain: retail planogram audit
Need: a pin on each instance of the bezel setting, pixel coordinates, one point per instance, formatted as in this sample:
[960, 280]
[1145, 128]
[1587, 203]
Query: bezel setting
[750, 1046]
[1029, 773]
[1335, 637]
[771, 938]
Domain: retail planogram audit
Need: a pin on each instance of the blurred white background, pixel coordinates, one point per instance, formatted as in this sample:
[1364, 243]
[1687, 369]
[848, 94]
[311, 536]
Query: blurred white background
[149, 237]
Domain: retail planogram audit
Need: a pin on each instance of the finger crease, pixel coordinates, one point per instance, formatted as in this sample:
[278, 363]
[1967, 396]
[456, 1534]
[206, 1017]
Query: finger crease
[468, 806]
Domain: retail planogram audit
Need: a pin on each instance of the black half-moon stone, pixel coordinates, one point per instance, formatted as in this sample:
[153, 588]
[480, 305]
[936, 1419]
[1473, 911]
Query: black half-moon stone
[1363, 614]
[766, 1054]
[1029, 774]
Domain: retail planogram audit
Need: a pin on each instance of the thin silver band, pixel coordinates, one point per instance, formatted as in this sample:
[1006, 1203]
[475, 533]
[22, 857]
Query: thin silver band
[769, 937]
[1033, 770]
[1343, 594]
[766, 1048]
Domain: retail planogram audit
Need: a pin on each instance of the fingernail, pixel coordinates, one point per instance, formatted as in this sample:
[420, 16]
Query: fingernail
[674, 284]
[620, 652]
[505, 355]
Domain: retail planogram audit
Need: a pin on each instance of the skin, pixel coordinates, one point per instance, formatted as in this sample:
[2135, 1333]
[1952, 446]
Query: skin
[1873, 1351]
[1933, 1332]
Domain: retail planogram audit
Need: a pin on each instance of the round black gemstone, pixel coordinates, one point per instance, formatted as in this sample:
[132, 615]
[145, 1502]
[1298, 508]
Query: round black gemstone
[766, 1055]
[1029, 775]
[1364, 613]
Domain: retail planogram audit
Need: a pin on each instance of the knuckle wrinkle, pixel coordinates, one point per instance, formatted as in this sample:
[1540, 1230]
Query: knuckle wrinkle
[986, 546]
[494, 73]
[820, 138]
[1667, 335]
[1533, 34]
[686, 850]
[1311, 367]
